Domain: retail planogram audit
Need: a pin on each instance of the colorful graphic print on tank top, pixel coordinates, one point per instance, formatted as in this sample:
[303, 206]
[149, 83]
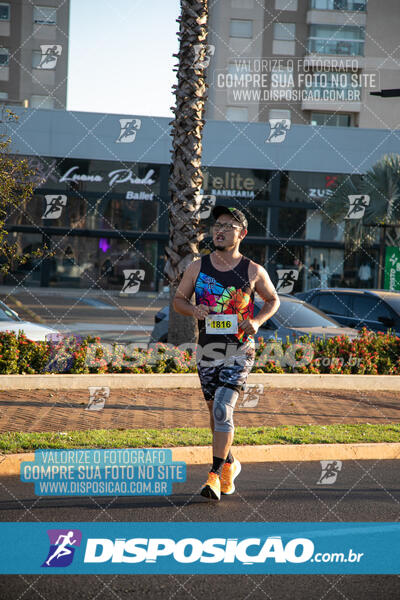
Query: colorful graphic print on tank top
[227, 300]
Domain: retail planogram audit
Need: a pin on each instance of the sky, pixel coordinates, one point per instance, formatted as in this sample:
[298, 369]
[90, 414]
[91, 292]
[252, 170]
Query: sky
[120, 56]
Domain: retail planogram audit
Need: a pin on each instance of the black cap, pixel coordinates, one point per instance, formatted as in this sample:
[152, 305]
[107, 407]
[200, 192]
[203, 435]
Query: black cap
[233, 212]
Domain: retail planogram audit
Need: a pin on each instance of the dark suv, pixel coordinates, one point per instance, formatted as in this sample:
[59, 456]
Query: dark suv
[377, 310]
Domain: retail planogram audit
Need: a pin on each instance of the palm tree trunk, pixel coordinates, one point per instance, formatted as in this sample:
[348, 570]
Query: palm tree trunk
[186, 178]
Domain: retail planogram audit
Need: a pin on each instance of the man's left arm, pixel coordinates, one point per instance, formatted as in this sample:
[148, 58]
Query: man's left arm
[265, 289]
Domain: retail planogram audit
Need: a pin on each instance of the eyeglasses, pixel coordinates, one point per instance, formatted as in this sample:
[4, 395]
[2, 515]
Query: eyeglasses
[225, 227]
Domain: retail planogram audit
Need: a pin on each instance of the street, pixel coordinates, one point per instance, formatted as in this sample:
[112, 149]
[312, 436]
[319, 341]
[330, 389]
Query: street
[103, 313]
[363, 491]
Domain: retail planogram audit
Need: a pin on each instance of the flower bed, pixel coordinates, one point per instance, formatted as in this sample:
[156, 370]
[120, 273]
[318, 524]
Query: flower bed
[370, 353]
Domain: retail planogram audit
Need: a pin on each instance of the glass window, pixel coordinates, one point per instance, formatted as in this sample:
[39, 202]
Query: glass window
[291, 222]
[27, 273]
[3, 96]
[36, 59]
[100, 262]
[370, 309]
[323, 267]
[276, 113]
[4, 11]
[237, 113]
[282, 78]
[257, 217]
[331, 119]
[295, 314]
[284, 31]
[236, 78]
[4, 57]
[6, 314]
[241, 67]
[333, 86]
[241, 28]
[320, 227]
[285, 4]
[333, 303]
[339, 4]
[331, 39]
[242, 3]
[309, 187]
[121, 213]
[244, 185]
[44, 15]
[41, 101]
[394, 302]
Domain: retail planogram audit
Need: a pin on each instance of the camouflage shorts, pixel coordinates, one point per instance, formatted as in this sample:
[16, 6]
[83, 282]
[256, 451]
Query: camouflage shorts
[230, 373]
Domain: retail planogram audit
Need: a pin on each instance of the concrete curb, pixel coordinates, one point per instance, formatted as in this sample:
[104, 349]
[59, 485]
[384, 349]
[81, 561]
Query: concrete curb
[200, 455]
[177, 380]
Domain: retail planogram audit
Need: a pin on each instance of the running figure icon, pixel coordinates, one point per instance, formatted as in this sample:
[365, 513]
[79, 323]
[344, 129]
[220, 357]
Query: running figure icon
[54, 206]
[330, 471]
[128, 130]
[278, 130]
[357, 207]
[50, 55]
[62, 549]
[287, 279]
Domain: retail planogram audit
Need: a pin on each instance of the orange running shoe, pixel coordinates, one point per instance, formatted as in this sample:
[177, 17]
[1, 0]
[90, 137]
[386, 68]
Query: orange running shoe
[229, 473]
[212, 487]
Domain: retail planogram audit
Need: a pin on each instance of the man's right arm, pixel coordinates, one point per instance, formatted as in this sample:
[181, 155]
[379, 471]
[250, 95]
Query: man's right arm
[184, 293]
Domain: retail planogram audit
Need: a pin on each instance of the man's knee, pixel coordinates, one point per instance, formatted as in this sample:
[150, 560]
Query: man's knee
[224, 403]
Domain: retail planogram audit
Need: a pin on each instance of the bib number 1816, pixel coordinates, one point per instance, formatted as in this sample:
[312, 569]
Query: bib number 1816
[221, 324]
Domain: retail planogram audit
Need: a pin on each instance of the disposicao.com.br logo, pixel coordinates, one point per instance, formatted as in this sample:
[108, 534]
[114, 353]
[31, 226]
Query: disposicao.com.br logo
[200, 547]
[187, 550]
[62, 547]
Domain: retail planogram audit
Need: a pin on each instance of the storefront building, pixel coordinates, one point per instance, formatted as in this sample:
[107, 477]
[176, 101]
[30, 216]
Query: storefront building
[102, 205]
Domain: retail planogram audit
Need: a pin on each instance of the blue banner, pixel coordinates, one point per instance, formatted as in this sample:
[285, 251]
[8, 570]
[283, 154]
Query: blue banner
[110, 472]
[214, 548]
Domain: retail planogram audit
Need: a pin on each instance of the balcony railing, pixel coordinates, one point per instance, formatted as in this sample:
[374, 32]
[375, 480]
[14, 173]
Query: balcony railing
[329, 46]
[356, 5]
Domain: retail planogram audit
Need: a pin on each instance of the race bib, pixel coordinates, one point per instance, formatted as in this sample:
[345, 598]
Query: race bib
[221, 324]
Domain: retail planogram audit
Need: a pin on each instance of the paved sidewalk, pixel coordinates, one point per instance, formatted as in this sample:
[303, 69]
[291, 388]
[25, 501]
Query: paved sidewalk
[45, 410]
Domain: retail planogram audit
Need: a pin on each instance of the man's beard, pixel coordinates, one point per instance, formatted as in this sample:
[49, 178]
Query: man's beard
[225, 247]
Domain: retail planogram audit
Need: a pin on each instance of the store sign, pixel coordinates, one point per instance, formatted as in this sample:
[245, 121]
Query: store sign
[114, 177]
[392, 268]
[330, 181]
[319, 193]
[229, 184]
[139, 196]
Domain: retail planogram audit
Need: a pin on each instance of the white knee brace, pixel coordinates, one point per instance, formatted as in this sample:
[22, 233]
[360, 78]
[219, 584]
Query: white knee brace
[224, 402]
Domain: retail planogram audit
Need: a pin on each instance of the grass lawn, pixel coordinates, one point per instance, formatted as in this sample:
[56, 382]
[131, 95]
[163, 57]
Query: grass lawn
[14, 442]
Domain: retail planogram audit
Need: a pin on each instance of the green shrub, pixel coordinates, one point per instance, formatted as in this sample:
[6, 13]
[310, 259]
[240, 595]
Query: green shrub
[370, 353]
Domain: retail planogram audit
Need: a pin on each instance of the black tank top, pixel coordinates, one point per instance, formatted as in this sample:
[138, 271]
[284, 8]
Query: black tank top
[226, 292]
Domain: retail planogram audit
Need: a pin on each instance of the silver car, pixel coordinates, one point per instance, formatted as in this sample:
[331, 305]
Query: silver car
[293, 319]
[10, 321]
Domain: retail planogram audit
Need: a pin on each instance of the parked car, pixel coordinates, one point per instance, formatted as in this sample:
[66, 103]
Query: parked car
[378, 310]
[10, 321]
[293, 318]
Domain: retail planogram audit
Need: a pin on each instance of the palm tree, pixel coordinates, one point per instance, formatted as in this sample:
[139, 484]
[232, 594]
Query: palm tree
[186, 178]
[382, 184]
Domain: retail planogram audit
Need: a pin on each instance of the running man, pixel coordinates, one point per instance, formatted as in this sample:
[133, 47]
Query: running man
[224, 283]
[62, 549]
